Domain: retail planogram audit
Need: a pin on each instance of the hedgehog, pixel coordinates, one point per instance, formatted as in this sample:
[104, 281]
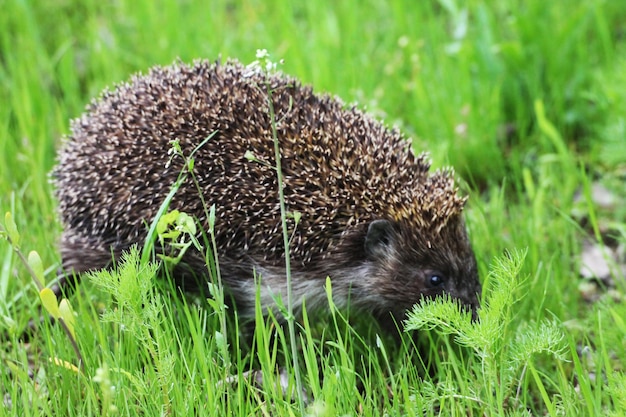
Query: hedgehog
[373, 219]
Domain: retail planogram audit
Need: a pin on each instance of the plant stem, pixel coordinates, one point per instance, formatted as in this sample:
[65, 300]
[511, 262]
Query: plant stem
[283, 218]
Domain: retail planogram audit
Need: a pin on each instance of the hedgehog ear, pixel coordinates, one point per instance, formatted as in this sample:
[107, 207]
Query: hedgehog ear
[379, 239]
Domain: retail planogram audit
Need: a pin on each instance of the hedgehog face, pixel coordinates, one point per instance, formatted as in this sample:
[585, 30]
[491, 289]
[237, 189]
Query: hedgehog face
[407, 267]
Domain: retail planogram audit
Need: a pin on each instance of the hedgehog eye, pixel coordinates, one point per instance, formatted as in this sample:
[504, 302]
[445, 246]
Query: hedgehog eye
[436, 280]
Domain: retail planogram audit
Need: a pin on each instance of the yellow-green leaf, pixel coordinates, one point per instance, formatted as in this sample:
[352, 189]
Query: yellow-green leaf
[67, 314]
[37, 266]
[186, 223]
[50, 303]
[64, 364]
[249, 155]
[166, 221]
[11, 228]
[211, 218]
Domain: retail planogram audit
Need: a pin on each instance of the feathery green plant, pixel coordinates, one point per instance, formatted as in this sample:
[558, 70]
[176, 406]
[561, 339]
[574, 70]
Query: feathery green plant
[504, 354]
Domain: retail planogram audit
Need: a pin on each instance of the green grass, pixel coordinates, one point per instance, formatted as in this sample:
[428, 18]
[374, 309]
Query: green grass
[524, 98]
